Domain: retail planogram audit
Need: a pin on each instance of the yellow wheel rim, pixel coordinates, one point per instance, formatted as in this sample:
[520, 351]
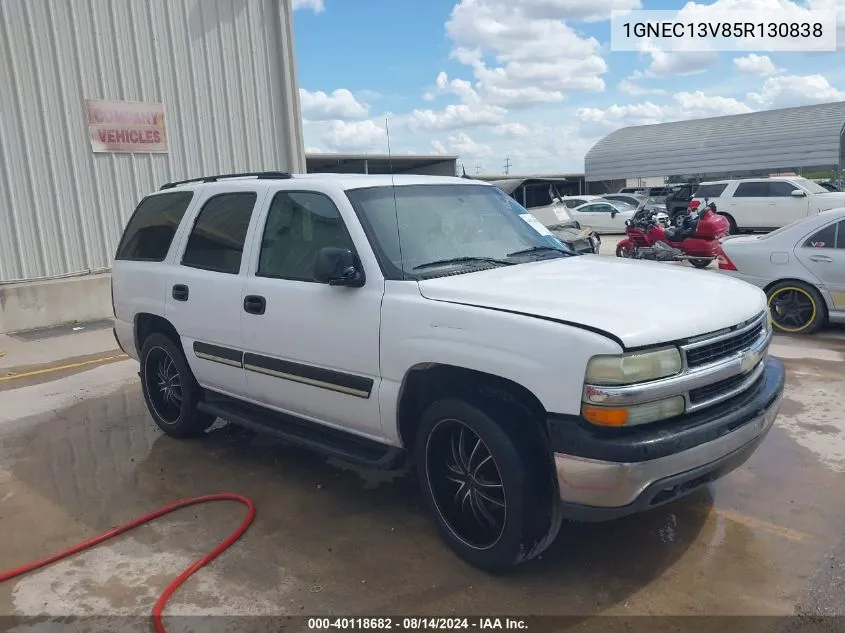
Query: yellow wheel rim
[780, 295]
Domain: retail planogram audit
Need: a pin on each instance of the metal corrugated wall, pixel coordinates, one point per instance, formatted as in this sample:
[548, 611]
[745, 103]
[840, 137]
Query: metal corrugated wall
[224, 70]
[808, 136]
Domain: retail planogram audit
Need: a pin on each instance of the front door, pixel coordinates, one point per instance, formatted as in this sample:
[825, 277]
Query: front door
[823, 253]
[206, 281]
[311, 349]
[783, 207]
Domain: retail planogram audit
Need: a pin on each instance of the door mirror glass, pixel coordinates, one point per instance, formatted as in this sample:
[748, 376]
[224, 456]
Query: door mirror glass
[613, 213]
[338, 267]
[798, 193]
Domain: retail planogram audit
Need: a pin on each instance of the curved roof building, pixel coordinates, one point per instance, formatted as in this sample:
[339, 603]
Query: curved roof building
[739, 144]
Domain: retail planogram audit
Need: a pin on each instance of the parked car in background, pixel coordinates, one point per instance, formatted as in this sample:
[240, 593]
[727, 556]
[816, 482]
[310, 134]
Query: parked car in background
[638, 201]
[547, 208]
[677, 202]
[764, 204]
[576, 201]
[608, 216]
[801, 267]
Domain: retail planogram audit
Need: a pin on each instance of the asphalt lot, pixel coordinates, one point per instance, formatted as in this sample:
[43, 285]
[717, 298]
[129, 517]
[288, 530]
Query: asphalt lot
[79, 454]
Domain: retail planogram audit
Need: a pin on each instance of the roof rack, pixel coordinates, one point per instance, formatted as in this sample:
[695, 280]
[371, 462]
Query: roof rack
[260, 175]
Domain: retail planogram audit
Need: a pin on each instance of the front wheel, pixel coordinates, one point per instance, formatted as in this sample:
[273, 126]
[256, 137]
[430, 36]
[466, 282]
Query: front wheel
[624, 250]
[701, 262]
[487, 483]
[678, 218]
[796, 307]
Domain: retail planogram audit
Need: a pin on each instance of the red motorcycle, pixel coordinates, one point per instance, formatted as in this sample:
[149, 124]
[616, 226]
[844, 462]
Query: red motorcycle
[695, 240]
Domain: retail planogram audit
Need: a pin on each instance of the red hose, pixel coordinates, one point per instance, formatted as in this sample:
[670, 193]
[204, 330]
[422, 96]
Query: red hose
[176, 582]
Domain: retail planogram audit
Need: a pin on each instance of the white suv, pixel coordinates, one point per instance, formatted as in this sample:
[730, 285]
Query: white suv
[433, 318]
[764, 204]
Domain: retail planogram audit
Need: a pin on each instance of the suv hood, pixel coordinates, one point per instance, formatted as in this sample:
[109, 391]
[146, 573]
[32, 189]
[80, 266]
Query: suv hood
[639, 302]
[829, 200]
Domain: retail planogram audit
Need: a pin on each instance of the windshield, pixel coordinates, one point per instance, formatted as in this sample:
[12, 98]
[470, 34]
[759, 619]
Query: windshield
[438, 223]
[809, 185]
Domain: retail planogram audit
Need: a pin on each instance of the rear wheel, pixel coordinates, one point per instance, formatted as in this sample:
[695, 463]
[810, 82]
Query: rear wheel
[170, 390]
[701, 262]
[796, 307]
[488, 487]
[732, 230]
[678, 218]
[624, 251]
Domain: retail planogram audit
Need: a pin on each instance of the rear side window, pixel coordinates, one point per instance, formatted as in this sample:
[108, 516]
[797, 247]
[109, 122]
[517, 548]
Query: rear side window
[752, 190]
[825, 238]
[152, 226]
[217, 241]
[710, 191]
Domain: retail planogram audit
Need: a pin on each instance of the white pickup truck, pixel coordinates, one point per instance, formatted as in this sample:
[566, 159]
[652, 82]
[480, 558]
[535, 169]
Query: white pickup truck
[378, 319]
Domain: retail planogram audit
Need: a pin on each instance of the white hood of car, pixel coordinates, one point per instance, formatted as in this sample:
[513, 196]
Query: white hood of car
[829, 200]
[639, 302]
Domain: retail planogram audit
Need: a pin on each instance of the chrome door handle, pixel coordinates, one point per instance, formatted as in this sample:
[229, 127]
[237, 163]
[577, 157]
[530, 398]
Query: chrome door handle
[821, 258]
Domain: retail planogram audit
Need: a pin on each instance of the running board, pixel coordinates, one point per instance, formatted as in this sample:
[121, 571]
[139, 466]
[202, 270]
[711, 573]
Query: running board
[316, 437]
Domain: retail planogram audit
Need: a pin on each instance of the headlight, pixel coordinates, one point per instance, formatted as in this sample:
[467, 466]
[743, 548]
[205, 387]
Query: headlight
[628, 369]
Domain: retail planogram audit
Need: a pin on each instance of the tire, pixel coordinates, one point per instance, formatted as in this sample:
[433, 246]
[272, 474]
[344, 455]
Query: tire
[732, 229]
[173, 407]
[621, 251]
[788, 296]
[701, 262]
[678, 218]
[509, 510]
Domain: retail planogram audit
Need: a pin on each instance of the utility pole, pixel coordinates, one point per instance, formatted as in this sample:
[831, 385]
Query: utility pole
[508, 164]
[477, 168]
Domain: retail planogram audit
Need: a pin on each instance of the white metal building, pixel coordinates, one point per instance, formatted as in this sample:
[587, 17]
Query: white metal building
[102, 102]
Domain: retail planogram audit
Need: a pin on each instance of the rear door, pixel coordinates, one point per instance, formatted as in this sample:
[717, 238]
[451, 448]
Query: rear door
[823, 253]
[203, 299]
[749, 205]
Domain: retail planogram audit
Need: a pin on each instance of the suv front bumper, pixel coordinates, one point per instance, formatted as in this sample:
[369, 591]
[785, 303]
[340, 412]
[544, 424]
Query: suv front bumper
[609, 473]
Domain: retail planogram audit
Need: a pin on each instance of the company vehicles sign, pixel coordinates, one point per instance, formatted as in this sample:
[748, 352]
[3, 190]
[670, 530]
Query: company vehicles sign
[126, 126]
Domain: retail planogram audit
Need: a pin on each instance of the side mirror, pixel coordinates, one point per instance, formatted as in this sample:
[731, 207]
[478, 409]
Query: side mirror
[613, 213]
[338, 267]
[798, 193]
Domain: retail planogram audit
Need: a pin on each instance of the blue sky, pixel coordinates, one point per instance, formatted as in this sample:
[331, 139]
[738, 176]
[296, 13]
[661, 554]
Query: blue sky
[532, 80]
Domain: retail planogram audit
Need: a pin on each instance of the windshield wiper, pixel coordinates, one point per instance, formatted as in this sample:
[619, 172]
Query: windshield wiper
[539, 249]
[460, 260]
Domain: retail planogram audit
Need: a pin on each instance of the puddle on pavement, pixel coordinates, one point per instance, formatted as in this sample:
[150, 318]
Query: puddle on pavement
[746, 544]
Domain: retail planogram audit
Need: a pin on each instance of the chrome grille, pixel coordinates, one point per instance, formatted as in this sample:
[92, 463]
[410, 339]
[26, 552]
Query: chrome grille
[703, 394]
[724, 345]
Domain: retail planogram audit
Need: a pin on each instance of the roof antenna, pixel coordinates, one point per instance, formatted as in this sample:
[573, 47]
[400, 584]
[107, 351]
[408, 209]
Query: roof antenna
[395, 205]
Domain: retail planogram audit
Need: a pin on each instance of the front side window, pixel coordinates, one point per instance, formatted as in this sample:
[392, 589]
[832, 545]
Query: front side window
[781, 189]
[751, 190]
[412, 226]
[152, 226]
[217, 241]
[598, 208]
[824, 238]
[298, 225]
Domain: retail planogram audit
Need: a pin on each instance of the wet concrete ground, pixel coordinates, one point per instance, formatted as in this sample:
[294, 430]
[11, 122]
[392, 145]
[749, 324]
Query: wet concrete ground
[79, 455]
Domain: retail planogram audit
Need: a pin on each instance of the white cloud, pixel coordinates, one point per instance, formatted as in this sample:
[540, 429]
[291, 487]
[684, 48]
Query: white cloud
[462, 145]
[340, 104]
[684, 105]
[352, 136]
[511, 129]
[454, 117]
[755, 64]
[317, 6]
[630, 87]
[523, 53]
[793, 90]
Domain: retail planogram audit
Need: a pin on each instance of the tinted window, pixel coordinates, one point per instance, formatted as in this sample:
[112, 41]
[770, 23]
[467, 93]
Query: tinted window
[598, 208]
[780, 189]
[152, 226]
[840, 236]
[217, 241]
[825, 238]
[298, 225]
[710, 191]
[751, 190]
[575, 202]
[537, 196]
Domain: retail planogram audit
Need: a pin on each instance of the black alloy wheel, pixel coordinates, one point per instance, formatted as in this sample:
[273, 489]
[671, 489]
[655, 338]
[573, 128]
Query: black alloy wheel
[466, 484]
